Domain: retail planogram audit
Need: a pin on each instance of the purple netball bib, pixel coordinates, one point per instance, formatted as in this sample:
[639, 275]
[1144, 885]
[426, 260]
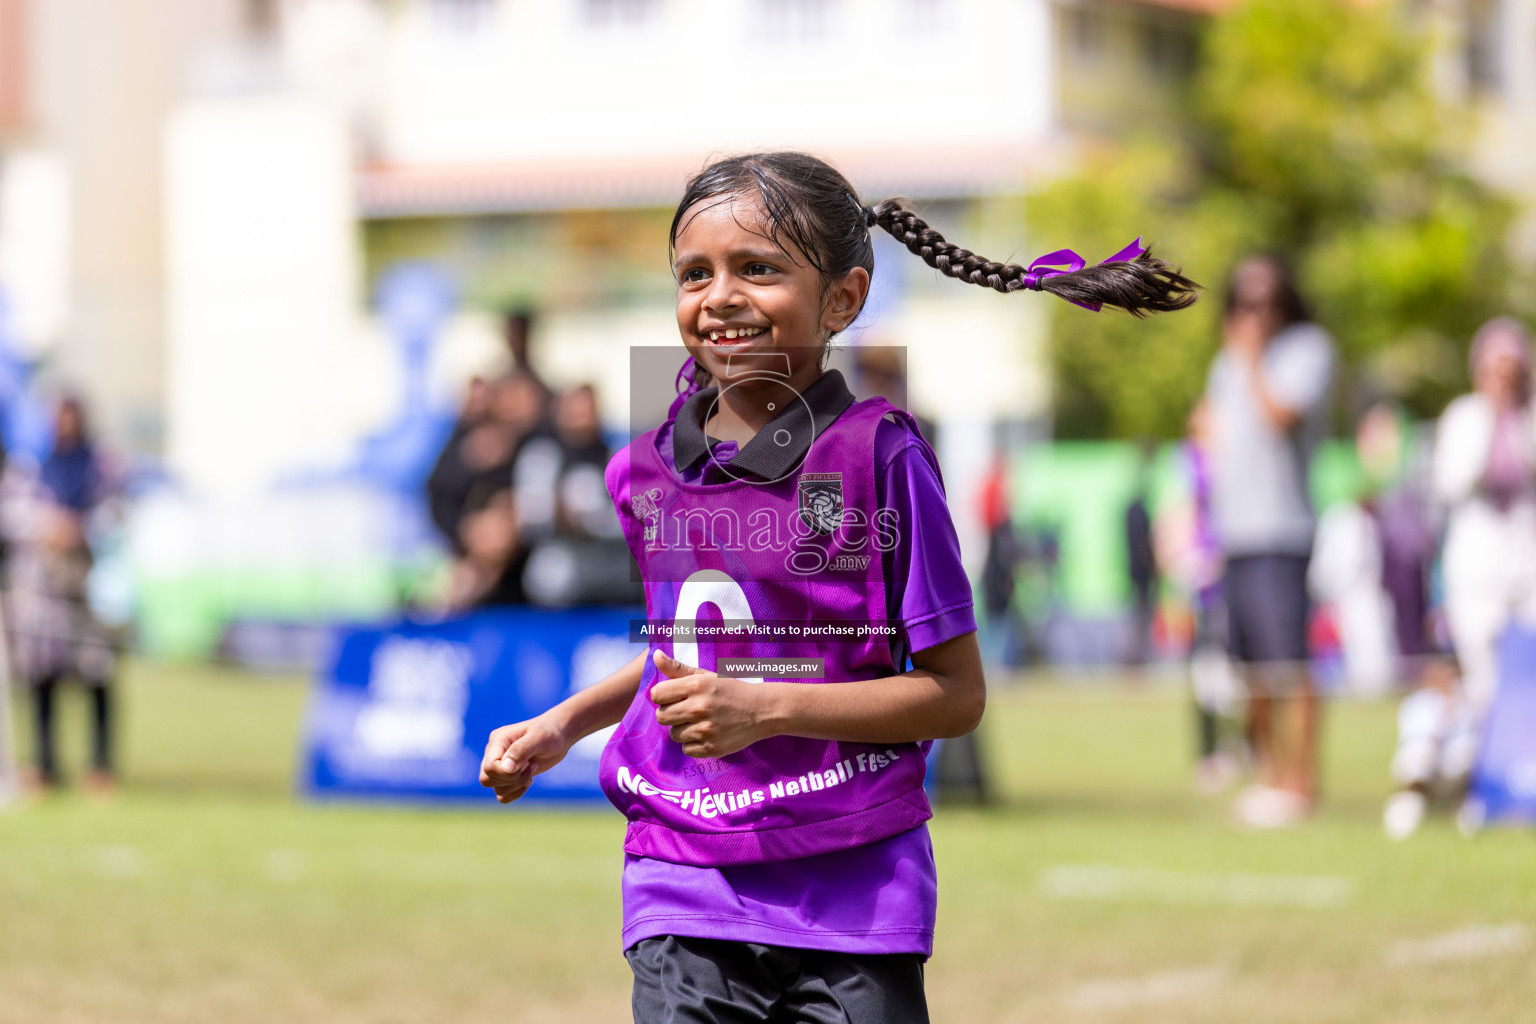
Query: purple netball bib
[788, 570]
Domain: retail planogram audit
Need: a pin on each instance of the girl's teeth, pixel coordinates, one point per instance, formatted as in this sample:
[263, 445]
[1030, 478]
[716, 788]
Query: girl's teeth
[734, 333]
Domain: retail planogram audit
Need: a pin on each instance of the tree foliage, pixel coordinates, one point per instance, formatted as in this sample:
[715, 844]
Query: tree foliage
[1309, 129]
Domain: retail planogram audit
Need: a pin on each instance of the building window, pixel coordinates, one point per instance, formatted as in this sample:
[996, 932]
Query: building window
[1485, 26]
[792, 20]
[1167, 50]
[1085, 34]
[619, 13]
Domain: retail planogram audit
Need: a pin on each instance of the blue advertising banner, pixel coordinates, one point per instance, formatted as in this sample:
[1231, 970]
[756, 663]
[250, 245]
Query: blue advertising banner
[403, 710]
[1504, 782]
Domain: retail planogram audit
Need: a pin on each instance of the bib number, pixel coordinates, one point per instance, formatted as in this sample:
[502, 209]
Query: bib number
[708, 586]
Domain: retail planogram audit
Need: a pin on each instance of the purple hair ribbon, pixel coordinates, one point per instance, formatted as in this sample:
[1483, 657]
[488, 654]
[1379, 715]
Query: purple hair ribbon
[1065, 261]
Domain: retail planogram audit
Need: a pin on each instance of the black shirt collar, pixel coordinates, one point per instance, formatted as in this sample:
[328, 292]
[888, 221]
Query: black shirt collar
[765, 456]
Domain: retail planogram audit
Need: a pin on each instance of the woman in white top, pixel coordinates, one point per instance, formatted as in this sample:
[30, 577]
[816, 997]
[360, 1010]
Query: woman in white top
[1485, 471]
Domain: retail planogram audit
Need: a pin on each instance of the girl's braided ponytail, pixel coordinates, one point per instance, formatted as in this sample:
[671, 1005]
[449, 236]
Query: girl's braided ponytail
[1140, 285]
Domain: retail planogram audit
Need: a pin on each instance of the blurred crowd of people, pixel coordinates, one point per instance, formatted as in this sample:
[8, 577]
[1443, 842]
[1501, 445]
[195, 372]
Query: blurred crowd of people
[1413, 580]
[518, 491]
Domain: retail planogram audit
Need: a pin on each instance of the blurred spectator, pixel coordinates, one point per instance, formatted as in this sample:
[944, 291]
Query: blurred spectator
[536, 468]
[1187, 550]
[1372, 560]
[497, 419]
[1437, 732]
[583, 507]
[471, 495]
[1267, 398]
[1485, 471]
[55, 636]
[1346, 578]
[517, 330]
[1037, 593]
[1141, 562]
[880, 371]
[490, 569]
[580, 557]
[452, 478]
[1387, 443]
[1005, 631]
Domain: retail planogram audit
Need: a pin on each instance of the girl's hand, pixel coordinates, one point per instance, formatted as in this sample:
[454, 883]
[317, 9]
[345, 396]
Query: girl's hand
[516, 753]
[710, 715]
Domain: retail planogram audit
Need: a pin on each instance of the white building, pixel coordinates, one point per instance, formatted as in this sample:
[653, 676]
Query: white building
[533, 148]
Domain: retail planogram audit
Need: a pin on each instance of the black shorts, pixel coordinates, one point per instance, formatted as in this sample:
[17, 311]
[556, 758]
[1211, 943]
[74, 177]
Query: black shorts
[1267, 608]
[712, 981]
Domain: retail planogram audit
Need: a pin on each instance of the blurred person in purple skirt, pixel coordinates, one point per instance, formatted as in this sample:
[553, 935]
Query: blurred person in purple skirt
[55, 636]
[1374, 555]
[1187, 548]
[1390, 454]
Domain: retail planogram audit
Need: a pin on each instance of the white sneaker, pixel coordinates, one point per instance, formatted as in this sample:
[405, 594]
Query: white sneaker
[1403, 813]
[1261, 807]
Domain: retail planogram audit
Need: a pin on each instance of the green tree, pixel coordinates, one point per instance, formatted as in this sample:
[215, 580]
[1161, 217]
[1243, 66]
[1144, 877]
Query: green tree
[1309, 128]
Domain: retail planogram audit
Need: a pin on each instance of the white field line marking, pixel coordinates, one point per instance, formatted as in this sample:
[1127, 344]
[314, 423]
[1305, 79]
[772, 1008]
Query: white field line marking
[1150, 990]
[117, 861]
[283, 865]
[1472, 943]
[1090, 686]
[470, 868]
[1143, 885]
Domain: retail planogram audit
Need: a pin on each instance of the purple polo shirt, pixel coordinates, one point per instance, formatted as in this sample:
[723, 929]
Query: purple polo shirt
[877, 898]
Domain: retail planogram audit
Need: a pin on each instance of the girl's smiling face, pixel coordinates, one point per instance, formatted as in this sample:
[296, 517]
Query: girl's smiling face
[740, 294]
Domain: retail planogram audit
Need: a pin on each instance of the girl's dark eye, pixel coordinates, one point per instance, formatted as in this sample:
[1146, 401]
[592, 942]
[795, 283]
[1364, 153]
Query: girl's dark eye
[758, 269]
[691, 275]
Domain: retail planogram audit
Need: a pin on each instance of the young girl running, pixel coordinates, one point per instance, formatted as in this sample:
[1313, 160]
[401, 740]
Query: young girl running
[777, 861]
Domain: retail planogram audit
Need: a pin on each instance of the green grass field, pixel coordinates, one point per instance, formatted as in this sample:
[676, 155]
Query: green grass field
[1099, 888]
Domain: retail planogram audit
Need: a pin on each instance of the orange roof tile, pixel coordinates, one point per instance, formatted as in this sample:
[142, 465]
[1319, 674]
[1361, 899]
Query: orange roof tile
[407, 190]
[1190, 6]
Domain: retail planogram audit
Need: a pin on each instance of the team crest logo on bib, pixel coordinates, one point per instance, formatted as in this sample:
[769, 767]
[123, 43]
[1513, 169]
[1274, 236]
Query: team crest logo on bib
[821, 501]
[646, 506]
